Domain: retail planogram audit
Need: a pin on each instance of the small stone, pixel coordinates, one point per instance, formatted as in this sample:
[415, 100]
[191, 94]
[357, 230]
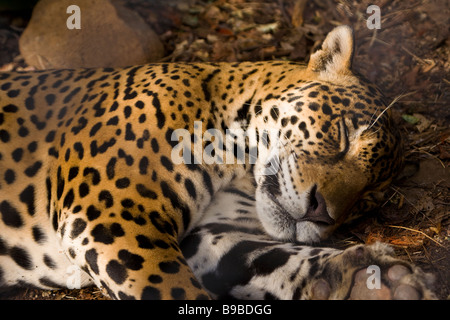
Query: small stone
[110, 36]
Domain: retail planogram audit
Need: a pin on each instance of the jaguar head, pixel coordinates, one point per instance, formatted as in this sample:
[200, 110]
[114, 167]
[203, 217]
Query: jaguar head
[337, 149]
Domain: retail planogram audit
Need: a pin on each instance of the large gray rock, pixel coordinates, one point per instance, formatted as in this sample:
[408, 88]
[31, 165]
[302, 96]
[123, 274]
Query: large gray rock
[110, 36]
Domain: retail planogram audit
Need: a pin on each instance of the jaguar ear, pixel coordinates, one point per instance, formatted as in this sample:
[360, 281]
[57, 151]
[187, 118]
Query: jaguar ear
[336, 54]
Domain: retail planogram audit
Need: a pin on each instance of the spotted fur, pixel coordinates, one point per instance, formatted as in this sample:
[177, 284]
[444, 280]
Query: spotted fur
[234, 258]
[87, 177]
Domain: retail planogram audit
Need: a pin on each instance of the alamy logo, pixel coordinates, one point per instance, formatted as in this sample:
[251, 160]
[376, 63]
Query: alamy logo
[374, 21]
[374, 280]
[211, 147]
[74, 20]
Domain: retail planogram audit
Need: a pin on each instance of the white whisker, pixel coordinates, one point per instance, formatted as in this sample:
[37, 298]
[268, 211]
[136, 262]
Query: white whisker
[388, 107]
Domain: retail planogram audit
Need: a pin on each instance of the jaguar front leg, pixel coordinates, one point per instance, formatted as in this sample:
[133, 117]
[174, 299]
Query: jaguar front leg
[233, 257]
[369, 273]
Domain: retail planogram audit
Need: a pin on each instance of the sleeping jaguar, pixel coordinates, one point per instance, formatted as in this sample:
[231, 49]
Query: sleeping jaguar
[89, 181]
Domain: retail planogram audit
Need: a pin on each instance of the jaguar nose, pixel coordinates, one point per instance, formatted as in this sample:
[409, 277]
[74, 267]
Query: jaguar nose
[317, 209]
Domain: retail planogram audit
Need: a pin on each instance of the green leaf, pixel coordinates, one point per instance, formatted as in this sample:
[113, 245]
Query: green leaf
[409, 118]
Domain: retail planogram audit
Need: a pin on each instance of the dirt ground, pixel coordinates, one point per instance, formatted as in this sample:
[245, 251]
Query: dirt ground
[408, 58]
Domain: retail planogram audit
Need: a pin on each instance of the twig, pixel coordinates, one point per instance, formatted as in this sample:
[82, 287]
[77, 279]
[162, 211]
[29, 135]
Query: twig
[373, 38]
[416, 57]
[419, 150]
[409, 256]
[297, 14]
[407, 200]
[389, 106]
[395, 192]
[284, 13]
[418, 231]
